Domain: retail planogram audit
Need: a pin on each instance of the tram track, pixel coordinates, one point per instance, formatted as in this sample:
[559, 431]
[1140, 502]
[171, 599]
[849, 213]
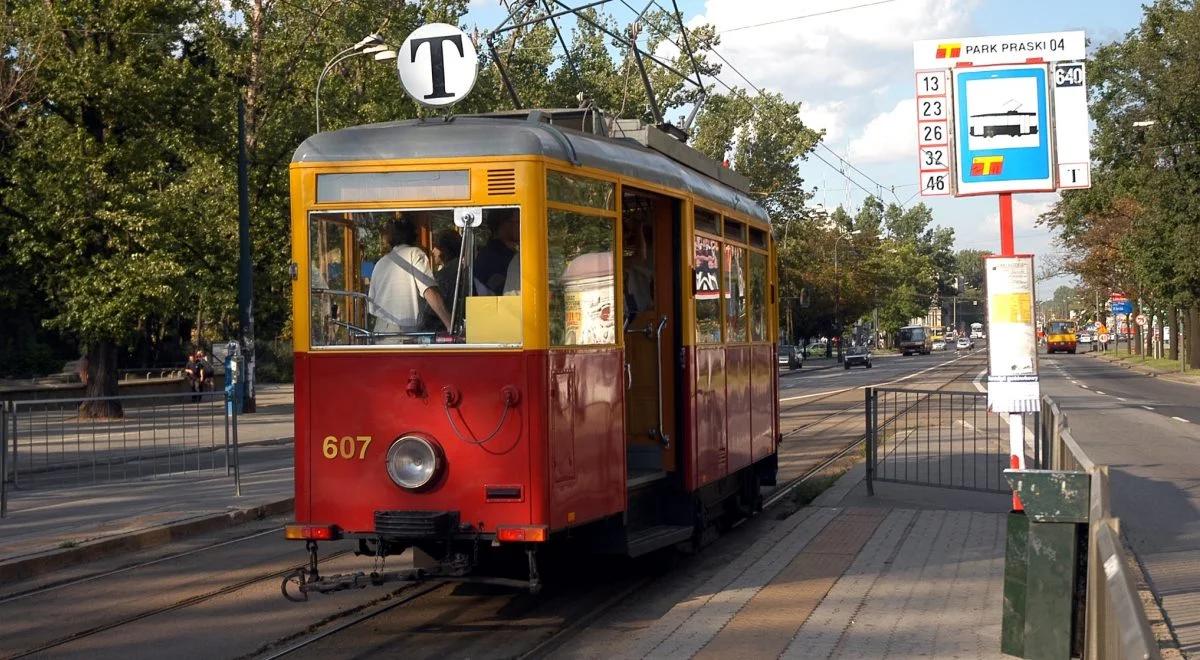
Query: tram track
[568, 629]
[788, 487]
[177, 605]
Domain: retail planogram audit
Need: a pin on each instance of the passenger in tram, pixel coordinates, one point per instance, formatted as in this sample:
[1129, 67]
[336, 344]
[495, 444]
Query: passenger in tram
[447, 252]
[401, 280]
[492, 263]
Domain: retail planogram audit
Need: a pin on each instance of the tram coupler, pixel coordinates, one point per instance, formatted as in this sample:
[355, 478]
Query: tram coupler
[302, 577]
[362, 580]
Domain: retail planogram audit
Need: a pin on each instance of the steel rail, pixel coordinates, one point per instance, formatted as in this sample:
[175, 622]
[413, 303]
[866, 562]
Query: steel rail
[178, 605]
[786, 489]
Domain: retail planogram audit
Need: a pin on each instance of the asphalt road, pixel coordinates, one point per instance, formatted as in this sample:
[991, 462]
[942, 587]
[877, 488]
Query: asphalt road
[1148, 431]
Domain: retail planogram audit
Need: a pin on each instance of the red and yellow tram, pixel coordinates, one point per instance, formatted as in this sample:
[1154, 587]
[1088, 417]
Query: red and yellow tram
[602, 362]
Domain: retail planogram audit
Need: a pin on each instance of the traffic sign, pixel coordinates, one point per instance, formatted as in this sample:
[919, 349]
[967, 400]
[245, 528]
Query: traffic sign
[437, 64]
[1121, 306]
[1002, 114]
[1141, 319]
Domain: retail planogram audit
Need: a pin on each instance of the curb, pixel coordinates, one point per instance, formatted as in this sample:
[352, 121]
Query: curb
[51, 560]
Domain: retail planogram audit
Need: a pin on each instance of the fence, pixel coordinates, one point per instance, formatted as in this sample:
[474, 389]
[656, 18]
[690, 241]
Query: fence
[934, 438]
[1115, 624]
[46, 443]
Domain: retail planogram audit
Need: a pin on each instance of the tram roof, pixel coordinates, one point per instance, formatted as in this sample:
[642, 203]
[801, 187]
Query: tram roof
[483, 136]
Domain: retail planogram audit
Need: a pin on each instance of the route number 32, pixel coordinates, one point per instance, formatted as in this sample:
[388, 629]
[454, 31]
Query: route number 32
[346, 447]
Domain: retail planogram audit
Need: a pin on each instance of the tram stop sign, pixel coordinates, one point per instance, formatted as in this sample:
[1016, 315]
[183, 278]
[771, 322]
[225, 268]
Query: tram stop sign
[438, 65]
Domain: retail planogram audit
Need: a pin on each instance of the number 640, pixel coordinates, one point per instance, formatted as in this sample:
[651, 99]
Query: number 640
[346, 447]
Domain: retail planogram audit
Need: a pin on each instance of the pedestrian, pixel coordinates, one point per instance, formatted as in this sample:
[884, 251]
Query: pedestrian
[447, 252]
[401, 280]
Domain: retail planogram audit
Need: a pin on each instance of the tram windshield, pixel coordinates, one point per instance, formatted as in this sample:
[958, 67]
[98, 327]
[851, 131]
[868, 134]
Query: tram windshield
[415, 277]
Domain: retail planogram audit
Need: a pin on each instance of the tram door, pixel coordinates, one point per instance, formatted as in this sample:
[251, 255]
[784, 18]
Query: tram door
[649, 265]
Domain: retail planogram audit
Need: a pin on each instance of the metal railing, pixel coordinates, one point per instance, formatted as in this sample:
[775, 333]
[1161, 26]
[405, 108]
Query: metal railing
[47, 443]
[934, 438]
[1115, 623]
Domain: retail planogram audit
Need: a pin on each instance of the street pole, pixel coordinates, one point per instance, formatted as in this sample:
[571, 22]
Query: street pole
[837, 299]
[1016, 426]
[245, 273]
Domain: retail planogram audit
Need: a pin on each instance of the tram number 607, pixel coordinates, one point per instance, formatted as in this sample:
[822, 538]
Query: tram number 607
[346, 447]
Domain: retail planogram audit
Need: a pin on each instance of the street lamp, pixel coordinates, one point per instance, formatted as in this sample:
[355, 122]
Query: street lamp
[837, 297]
[372, 44]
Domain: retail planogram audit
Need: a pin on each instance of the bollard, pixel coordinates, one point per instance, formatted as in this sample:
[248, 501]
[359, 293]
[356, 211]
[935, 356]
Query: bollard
[1041, 562]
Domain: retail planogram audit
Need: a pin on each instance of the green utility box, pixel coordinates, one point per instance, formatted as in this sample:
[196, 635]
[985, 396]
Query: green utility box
[1041, 562]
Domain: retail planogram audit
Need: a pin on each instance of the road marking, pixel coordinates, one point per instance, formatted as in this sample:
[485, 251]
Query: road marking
[1180, 419]
[1099, 392]
[1074, 381]
[1085, 387]
[1121, 398]
[1148, 407]
[809, 396]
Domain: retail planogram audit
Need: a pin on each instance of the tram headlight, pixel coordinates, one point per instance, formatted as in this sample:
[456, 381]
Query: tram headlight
[413, 462]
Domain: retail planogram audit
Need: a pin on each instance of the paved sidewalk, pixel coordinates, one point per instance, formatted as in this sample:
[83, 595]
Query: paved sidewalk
[910, 572]
[51, 528]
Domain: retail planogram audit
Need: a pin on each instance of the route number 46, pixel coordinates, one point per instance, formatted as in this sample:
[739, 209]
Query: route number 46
[935, 184]
[346, 447]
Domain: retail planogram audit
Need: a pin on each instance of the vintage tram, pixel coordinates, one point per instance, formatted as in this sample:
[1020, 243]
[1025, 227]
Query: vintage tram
[600, 362]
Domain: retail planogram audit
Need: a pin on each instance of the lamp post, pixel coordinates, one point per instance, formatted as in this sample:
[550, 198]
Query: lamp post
[837, 280]
[372, 44]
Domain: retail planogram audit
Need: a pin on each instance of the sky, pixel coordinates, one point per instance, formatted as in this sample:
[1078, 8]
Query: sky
[851, 68]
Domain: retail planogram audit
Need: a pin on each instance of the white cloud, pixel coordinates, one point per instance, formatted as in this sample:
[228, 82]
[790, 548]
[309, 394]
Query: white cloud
[828, 117]
[891, 135]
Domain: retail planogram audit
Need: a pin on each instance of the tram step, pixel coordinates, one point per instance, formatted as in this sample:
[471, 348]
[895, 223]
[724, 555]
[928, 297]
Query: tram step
[641, 541]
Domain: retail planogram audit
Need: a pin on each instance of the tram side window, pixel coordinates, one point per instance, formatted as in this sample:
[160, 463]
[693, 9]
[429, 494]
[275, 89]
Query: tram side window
[706, 289]
[758, 296]
[582, 278]
[735, 293]
[414, 277]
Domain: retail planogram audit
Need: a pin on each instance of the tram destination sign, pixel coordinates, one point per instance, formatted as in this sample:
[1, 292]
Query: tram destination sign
[437, 65]
[1002, 114]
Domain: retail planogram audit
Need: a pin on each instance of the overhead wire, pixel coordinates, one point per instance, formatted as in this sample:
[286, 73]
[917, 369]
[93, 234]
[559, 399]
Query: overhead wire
[804, 16]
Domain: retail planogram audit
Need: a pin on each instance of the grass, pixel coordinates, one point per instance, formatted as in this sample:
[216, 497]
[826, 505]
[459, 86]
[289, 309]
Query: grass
[1158, 364]
[65, 545]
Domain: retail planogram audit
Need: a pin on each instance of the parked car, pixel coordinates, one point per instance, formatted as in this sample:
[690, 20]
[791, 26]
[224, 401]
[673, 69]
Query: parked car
[963, 344]
[1084, 338]
[939, 344]
[857, 355]
[789, 357]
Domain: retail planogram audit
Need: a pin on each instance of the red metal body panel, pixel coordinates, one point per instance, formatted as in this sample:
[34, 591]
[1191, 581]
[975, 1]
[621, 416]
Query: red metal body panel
[731, 411]
[563, 443]
[300, 419]
[586, 402]
[738, 431]
[708, 410]
[763, 376]
[366, 395]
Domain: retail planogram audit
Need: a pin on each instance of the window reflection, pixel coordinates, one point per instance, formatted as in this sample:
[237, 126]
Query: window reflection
[735, 293]
[758, 296]
[582, 283]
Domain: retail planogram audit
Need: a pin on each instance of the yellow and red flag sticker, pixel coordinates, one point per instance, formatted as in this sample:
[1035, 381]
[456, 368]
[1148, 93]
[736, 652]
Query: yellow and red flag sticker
[987, 165]
[948, 50]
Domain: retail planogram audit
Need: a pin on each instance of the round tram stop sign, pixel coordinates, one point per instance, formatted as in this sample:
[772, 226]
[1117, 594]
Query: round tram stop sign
[438, 65]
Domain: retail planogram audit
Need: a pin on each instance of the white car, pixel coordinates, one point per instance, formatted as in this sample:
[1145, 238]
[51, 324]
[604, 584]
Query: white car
[939, 345]
[962, 343]
[1085, 338]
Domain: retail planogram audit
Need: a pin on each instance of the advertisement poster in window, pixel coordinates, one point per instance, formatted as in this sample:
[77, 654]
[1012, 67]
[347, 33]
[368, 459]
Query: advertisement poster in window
[707, 269]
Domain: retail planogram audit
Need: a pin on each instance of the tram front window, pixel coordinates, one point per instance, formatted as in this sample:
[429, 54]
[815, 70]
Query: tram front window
[412, 277]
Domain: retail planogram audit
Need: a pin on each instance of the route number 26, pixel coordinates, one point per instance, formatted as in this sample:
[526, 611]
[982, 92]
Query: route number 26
[346, 447]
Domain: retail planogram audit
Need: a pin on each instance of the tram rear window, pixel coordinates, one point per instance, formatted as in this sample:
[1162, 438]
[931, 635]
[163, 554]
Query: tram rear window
[411, 277]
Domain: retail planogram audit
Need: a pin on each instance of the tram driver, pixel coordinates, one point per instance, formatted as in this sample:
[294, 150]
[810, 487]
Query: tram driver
[494, 263]
[401, 279]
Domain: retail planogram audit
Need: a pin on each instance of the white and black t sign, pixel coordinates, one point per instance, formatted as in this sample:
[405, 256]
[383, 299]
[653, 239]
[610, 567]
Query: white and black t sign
[437, 64]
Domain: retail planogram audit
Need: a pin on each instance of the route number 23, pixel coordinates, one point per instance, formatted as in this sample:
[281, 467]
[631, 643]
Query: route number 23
[346, 447]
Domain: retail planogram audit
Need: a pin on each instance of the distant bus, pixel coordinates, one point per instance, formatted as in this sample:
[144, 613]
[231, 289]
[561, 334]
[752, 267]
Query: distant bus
[977, 331]
[915, 339]
[1060, 336]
